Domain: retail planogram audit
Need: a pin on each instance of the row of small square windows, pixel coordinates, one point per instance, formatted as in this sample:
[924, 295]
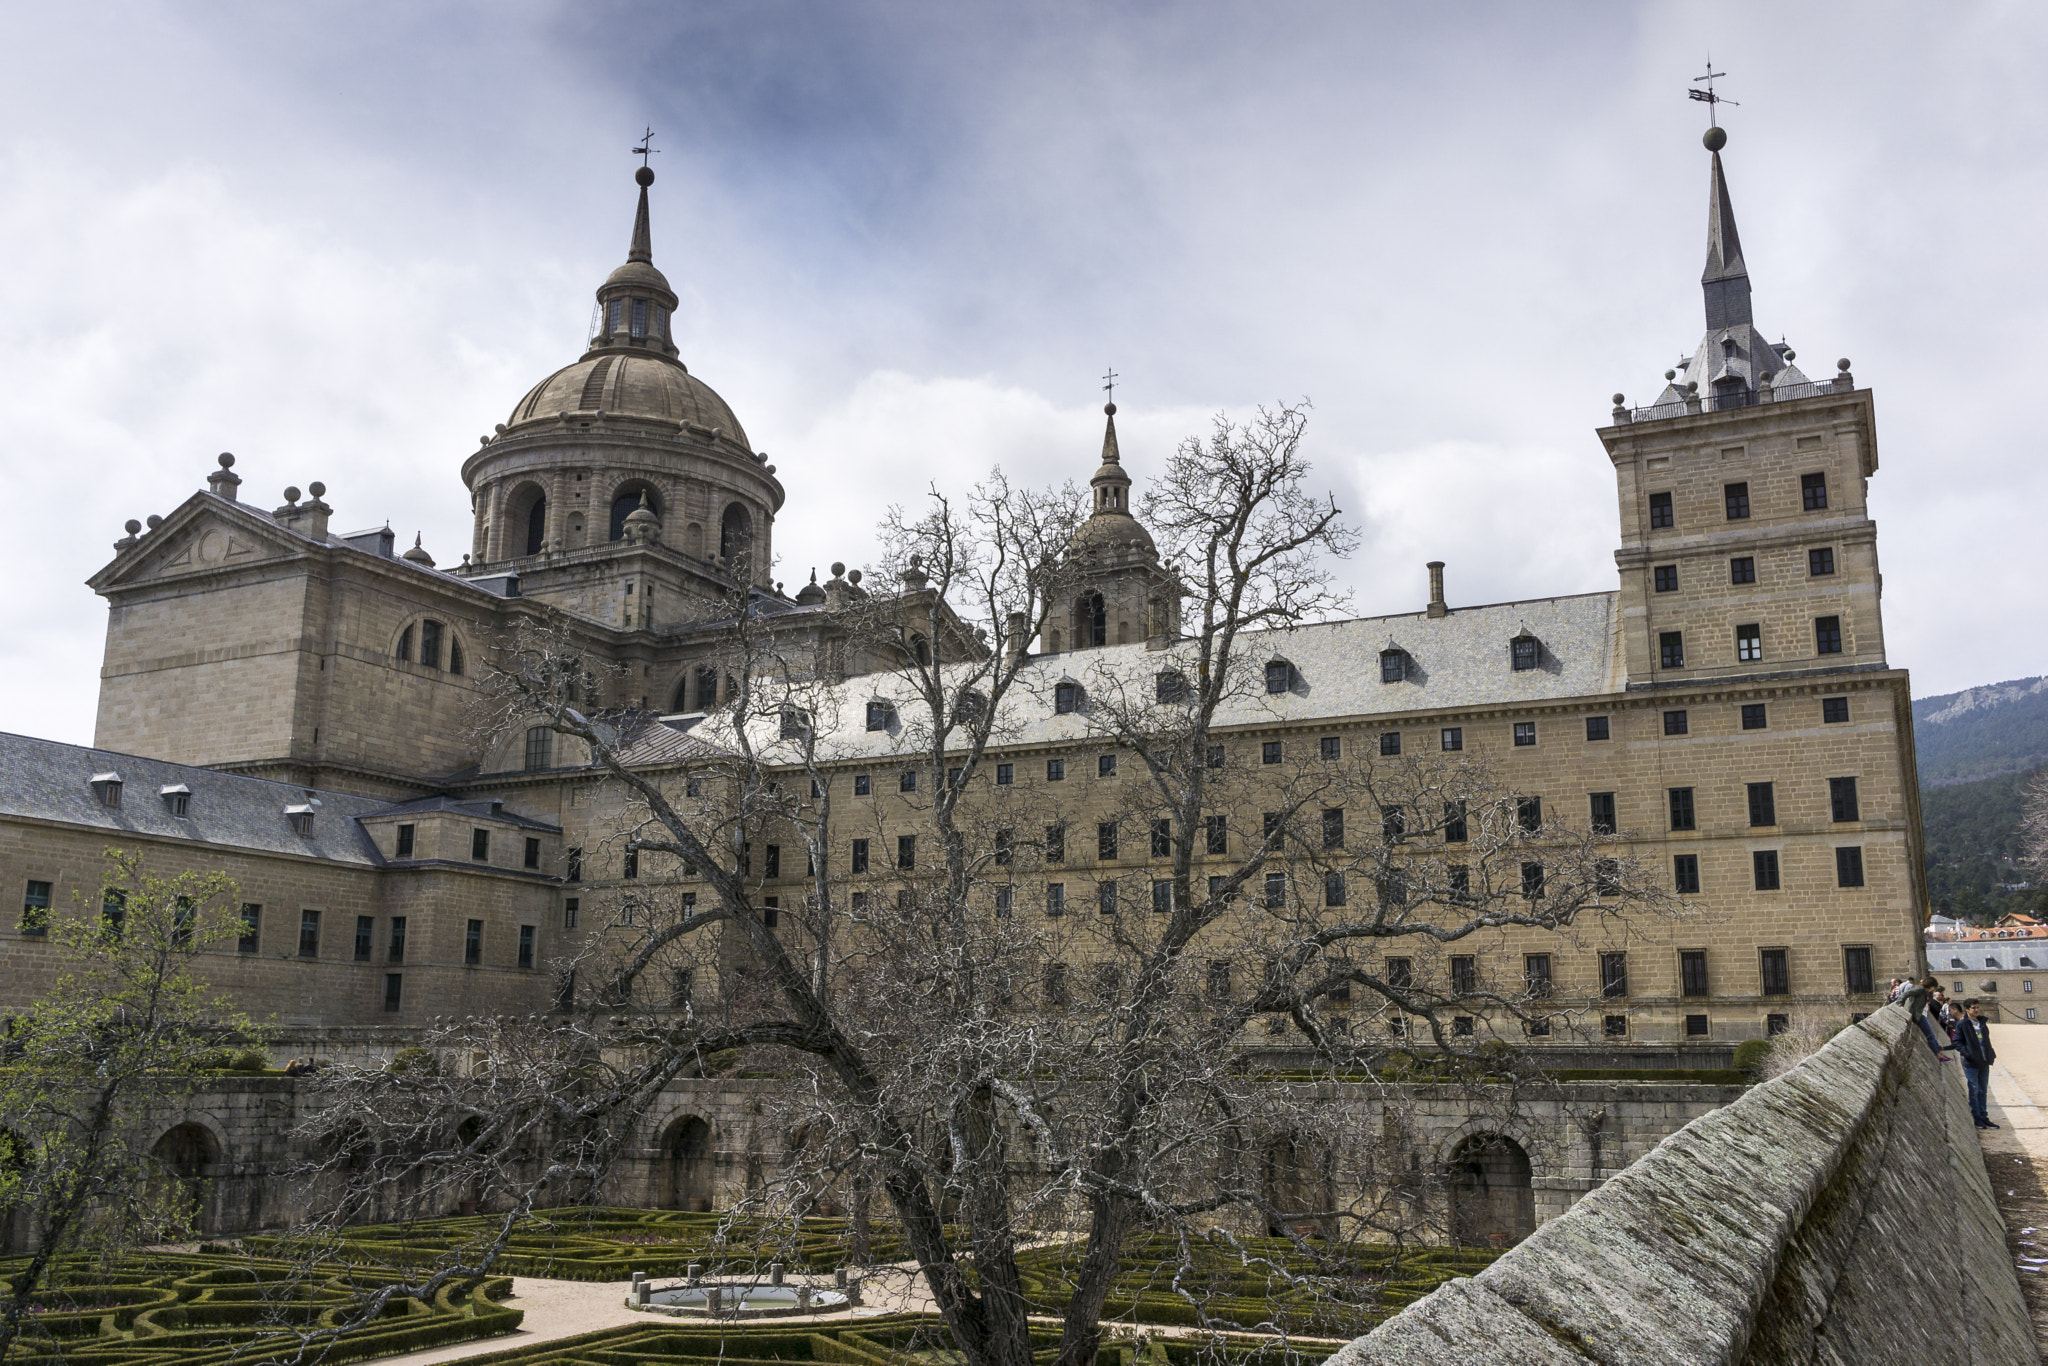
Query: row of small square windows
[1749, 642]
[1820, 562]
[1813, 497]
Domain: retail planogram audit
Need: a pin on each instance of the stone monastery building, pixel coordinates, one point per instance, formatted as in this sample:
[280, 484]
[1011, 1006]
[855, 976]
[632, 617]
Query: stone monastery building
[292, 704]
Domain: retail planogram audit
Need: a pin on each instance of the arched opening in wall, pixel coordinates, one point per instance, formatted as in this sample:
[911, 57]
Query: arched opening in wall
[1493, 1203]
[526, 520]
[626, 499]
[1091, 620]
[735, 533]
[693, 540]
[686, 1154]
[188, 1156]
[16, 1157]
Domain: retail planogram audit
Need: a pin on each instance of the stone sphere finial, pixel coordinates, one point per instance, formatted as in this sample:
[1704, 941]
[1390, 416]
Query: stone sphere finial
[1842, 364]
[854, 578]
[154, 521]
[644, 176]
[1670, 375]
[1110, 409]
[838, 568]
[1715, 138]
[317, 489]
[291, 493]
[1617, 400]
[227, 460]
[132, 526]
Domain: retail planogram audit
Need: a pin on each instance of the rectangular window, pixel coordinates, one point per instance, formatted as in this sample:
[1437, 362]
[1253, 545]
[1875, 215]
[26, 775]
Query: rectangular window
[771, 911]
[1603, 813]
[1849, 866]
[473, 943]
[540, 745]
[878, 716]
[1270, 825]
[1614, 1026]
[1454, 823]
[1333, 826]
[1827, 635]
[630, 867]
[1464, 975]
[1532, 881]
[309, 934]
[1842, 798]
[430, 644]
[405, 839]
[906, 851]
[1813, 491]
[1763, 804]
[1737, 498]
[1462, 1026]
[906, 781]
[1614, 974]
[1742, 569]
[1776, 975]
[1055, 898]
[1536, 974]
[1055, 770]
[1820, 562]
[1525, 732]
[1334, 891]
[480, 845]
[571, 908]
[1453, 738]
[1269, 752]
[860, 852]
[1696, 1027]
[1105, 840]
[1217, 841]
[863, 784]
[35, 909]
[1279, 674]
[1006, 775]
[772, 865]
[394, 990]
[1066, 698]
[1753, 716]
[1393, 666]
[1529, 813]
[1162, 896]
[1596, 728]
[1276, 889]
[1005, 898]
[1219, 979]
[1055, 984]
[1056, 843]
[1331, 747]
[1105, 765]
[1681, 809]
[1692, 972]
[1675, 723]
[1162, 839]
[1524, 653]
[1666, 576]
[1215, 756]
[1400, 972]
[1390, 743]
[251, 938]
[366, 930]
[1671, 649]
[1660, 510]
[526, 933]
[1834, 709]
[533, 853]
[1856, 975]
[1764, 863]
[1749, 642]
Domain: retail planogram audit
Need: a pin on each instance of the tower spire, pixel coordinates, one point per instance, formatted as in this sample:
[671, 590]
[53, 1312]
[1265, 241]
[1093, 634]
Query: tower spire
[1726, 279]
[642, 248]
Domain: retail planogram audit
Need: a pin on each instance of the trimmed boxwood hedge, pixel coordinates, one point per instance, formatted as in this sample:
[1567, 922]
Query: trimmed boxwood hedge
[209, 1309]
[592, 1243]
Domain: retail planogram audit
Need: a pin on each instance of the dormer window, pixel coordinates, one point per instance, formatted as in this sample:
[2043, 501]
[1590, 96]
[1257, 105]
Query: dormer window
[968, 706]
[1279, 676]
[106, 788]
[177, 799]
[880, 714]
[1066, 698]
[1524, 652]
[1170, 686]
[301, 818]
[796, 723]
[1393, 664]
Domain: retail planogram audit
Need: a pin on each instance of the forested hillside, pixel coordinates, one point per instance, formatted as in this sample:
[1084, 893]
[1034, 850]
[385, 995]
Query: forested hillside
[1980, 732]
[1978, 749]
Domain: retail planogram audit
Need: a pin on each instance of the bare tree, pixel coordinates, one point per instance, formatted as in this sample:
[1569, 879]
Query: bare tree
[1164, 1056]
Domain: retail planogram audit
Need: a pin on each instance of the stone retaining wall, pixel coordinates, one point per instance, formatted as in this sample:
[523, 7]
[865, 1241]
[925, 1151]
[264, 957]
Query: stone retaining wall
[1840, 1214]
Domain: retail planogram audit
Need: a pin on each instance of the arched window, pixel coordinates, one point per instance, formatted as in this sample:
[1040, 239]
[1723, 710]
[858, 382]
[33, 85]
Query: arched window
[735, 532]
[454, 656]
[920, 649]
[628, 498]
[430, 644]
[1091, 620]
[537, 525]
[405, 646]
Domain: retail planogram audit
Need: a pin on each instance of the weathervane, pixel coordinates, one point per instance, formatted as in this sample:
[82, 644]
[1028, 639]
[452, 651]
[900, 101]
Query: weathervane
[1109, 384]
[647, 147]
[1709, 97]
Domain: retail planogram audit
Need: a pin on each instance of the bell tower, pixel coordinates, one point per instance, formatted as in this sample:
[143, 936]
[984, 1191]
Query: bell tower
[1121, 593]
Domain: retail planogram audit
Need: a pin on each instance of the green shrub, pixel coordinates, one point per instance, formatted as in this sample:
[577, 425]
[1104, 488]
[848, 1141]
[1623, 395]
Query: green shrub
[1750, 1055]
[248, 1060]
[414, 1059]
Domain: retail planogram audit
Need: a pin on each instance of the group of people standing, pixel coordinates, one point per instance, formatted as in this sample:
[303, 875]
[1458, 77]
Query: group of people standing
[1953, 1030]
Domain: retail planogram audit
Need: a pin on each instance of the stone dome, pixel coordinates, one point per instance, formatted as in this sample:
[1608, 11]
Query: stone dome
[1112, 531]
[629, 386]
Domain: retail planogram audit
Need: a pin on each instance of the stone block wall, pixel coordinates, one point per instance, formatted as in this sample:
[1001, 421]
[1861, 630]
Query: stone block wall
[1838, 1214]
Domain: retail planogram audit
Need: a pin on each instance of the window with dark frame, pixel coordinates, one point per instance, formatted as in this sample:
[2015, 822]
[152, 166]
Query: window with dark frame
[1331, 748]
[540, 748]
[1614, 974]
[1401, 972]
[771, 866]
[1614, 1026]
[1390, 743]
[526, 937]
[1834, 710]
[1453, 739]
[1066, 698]
[1393, 666]
[1775, 974]
[1827, 635]
[879, 715]
[1005, 899]
[1692, 972]
[473, 943]
[571, 908]
[1820, 562]
[1665, 577]
[860, 852]
[630, 866]
[1754, 717]
[1270, 752]
[1276, 889]
[405, 841]
[1813, 492]
[1279, 676]
[1333, 827]
[1105, 841]
[863, 785]
[1055, 898]
[1764, 863]
[1055, 770]
[1532, 882]
[35, 908]
[1170, 687]
[1525, 733]
[1674, 723]
[906, 851]
[1536, 975]
[1602, 804]
[1455, 829]
[906, 781]
[1857, 978]
[394, 990]
[394, 947]
[1006, 775]
[1849, 866]
[1215, 835]
[1393, 825]
[1671, 649]
[1524, 653]
[1842, 799]
[1742, 569]
[480, 846]
[1696, 1027]
[1529, 814]
[309, 934]
[1596, 728]
[1682, 815]
[1105, 765]
[771, 912]
[366, 933]
[1215, 756]
[1763, 804]
[251, 938]
[1055, 979]
[1749, 642]
[1660, 511]
[1162, 838]
[1334, 891]
[532, 853]
[1056, 843]
[1464, 974]
[1736, 496]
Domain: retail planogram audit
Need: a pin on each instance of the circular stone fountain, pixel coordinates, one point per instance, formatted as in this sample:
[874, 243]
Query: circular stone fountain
[750, 1299]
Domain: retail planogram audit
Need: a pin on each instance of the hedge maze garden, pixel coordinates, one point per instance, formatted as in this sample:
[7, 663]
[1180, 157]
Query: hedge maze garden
[177, 1309]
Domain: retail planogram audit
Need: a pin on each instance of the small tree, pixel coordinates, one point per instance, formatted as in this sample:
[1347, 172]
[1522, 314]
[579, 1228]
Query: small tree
[128, 1027]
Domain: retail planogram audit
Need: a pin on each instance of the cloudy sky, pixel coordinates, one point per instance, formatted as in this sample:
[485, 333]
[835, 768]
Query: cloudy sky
[341, 240]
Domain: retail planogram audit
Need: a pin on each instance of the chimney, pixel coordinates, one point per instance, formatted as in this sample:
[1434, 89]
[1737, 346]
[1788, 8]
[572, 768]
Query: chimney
[1436, 590]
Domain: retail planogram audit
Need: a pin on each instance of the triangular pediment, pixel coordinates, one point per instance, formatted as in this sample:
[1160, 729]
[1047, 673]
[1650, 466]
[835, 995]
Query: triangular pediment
[204, 536]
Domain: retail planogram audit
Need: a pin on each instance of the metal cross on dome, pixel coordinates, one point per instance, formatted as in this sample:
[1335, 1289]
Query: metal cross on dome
[1109, 384]
[1708, 96]
[646, 148]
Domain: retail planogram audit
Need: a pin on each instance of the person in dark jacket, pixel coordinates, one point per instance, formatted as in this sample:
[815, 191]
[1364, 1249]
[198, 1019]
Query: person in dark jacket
[1914, 998]
[1973, 1041]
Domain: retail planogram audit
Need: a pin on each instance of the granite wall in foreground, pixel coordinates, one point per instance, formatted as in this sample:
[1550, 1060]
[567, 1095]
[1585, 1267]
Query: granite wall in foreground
[1838, 1215]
